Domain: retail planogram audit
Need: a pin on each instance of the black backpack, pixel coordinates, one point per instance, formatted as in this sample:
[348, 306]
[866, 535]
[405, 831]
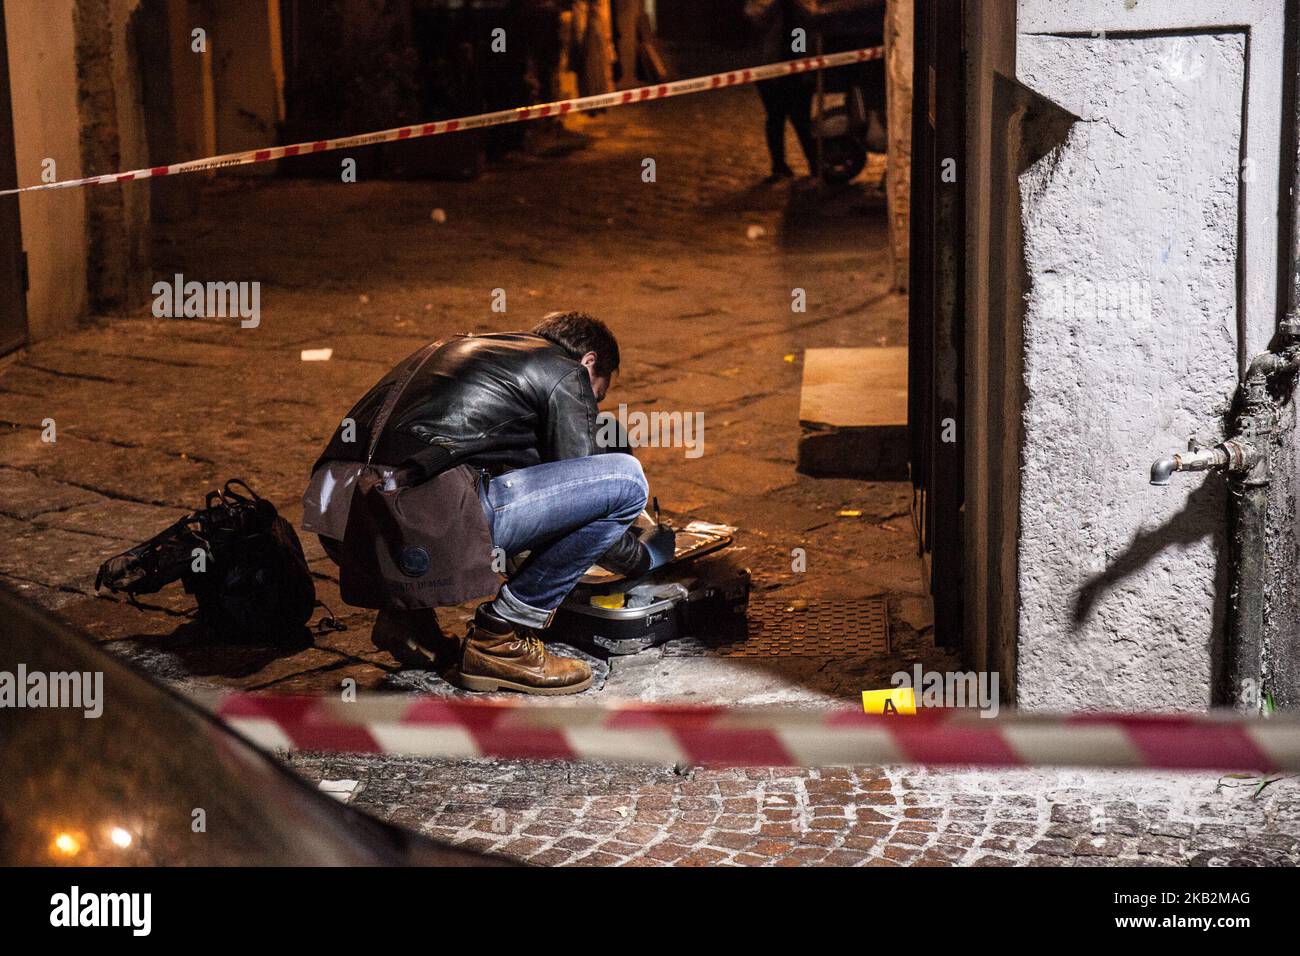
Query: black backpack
[242, 562]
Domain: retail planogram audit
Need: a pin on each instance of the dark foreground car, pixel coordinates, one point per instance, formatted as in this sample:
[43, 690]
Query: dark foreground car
[153, 780]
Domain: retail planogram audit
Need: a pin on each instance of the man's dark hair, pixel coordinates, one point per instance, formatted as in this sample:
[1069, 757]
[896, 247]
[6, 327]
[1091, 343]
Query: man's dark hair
[579, 333]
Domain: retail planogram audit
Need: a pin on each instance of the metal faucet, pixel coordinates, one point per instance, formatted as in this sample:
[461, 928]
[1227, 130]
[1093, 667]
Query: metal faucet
[1231, 455]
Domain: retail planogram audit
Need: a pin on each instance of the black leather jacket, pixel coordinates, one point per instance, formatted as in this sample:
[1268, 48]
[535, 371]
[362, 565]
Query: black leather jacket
[498, 401]
[494, 401]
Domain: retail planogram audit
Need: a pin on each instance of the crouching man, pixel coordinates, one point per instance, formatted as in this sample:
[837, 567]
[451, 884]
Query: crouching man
[478, 445]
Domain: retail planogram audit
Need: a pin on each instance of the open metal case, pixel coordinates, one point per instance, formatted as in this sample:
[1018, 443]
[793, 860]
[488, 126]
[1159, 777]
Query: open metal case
[702, 587]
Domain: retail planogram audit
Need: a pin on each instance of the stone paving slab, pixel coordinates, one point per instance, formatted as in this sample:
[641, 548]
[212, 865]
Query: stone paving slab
[130, 472]
[53, 557]
[24, 495]
[119, 520]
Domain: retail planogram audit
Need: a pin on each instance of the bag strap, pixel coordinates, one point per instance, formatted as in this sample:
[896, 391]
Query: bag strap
[376, 430]
[428, 462]
[229, 492]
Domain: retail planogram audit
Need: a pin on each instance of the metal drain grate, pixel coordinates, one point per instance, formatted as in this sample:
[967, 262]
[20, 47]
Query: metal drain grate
[827, 629]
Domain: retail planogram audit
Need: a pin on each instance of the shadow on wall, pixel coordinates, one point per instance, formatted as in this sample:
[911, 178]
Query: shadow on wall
[1202, 516]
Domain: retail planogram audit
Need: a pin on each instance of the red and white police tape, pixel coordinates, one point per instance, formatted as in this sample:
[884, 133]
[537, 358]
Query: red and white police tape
[641, 94]
[771, 736]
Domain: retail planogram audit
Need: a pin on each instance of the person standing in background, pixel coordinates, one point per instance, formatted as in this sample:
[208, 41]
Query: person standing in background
[593, 35]
[785, 98]
[626, 15]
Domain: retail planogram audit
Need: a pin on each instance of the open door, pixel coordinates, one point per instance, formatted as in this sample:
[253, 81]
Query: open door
[13, 272]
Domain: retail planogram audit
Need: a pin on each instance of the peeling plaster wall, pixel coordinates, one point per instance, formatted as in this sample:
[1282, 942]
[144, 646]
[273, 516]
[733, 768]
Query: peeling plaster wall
[76, 100]
[248, 77]
[43, 73]
[1130, 347]
[899, 40]
[1153, 274]
[112, 138]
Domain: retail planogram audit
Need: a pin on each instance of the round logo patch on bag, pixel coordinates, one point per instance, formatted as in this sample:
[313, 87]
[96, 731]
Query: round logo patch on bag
[414, 562]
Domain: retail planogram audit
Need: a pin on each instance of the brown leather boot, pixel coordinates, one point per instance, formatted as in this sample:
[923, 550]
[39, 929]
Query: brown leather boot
[415, 639]
[497, 655]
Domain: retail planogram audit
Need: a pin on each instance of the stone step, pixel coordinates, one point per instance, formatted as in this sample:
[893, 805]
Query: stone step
[853, 413]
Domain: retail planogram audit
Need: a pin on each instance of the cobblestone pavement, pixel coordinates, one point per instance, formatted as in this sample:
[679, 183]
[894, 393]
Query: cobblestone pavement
[560, 814]
[695, 272]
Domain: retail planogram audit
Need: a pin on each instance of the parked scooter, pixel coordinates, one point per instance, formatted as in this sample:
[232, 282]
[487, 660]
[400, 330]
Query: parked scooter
[847, 129]
[849, 119]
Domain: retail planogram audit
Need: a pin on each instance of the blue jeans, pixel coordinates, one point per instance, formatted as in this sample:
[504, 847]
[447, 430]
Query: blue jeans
[567, 514]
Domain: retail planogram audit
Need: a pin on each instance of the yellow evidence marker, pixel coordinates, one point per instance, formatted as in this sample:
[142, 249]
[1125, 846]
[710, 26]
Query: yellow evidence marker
[895, 701]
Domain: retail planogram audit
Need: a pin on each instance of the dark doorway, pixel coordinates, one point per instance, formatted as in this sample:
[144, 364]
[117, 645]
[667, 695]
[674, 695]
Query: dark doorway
[935, 317]
[13, 271]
